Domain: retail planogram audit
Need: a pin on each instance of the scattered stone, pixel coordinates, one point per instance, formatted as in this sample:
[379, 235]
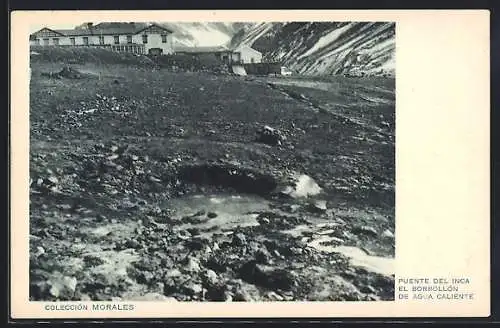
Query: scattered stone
[39, 251]
[228, 296]
[270, 136]
[132, 243]
[301, 186]
[210, 277]
[368, 290]
[62, 287]
[388, 234]
[296, 250]
[200, 213]
[195, 244]
[264, 220]
[145, 277]
[211, 215]
[274, 296]
[243, 296]
[216, 264]
[173, 273]
[245, 293]
[193, 288]
[239, 239]
[91, 260]
[262, 256]
[365, 230]
[193, 264]
[100, 218]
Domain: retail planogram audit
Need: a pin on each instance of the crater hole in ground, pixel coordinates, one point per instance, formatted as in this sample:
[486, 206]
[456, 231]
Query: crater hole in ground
[236, 179]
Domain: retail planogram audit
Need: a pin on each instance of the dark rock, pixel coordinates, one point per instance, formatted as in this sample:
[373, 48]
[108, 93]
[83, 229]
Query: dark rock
[318, 207]
[216, 264]
[368, 290]
[262, 256]
[200, 213]
[91, 260]
[266, 276]
[194, 231]
[211, 215]
[132, 243]
[145, 277]
[216, 293]
[195, 244]
[364, 230]
[100, 218]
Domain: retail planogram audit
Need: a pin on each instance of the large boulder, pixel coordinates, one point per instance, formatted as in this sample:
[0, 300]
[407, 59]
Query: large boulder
[266, 276]
[270, 136]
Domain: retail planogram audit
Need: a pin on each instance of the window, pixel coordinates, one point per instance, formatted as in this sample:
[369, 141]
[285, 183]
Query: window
[117, 39]
[129, 39]
[145, 38]
[56, 41]
[252, 60]
[37, 42]
[164, 38]
[72, 41]
[86, 40]
[46, 42]
[101, 39]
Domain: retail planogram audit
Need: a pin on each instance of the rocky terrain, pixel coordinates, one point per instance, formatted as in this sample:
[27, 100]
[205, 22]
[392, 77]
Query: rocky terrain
[147, 184]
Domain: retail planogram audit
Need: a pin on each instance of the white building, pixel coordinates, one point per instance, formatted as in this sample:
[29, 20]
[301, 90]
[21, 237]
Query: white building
[247, 55]
[126, 37]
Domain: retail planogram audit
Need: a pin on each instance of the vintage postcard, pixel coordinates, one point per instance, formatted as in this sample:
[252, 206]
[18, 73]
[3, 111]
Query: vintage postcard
[208, 164]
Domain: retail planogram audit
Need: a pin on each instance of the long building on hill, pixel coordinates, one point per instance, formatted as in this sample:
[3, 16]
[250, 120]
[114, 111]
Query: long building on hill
[125, 37]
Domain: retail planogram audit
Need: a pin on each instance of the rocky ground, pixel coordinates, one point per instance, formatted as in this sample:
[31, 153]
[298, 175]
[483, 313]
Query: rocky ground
[154, 185]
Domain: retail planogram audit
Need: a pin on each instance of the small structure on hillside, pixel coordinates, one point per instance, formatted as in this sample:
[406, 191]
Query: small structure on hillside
[238, 55]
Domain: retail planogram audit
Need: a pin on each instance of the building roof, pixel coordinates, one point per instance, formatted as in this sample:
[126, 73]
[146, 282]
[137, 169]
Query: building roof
[107, 29]
[201, 49]
[238, 48]
[212, 49]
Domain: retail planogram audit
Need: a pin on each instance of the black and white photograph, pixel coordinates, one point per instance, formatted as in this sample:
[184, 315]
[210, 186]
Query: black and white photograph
[212, 161]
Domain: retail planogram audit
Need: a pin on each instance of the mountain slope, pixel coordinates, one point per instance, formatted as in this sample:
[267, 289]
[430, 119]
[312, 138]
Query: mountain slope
[319, 48]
